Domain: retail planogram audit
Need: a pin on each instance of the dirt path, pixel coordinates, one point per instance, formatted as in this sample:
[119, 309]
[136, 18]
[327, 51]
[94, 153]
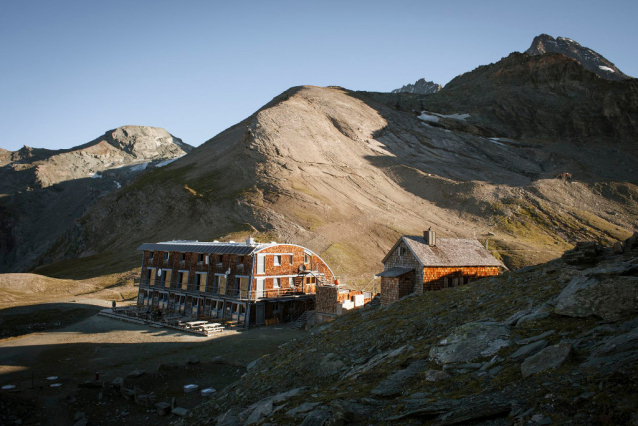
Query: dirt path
[114, 348]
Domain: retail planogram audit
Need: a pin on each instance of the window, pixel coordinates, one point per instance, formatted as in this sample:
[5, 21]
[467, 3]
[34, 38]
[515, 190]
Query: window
[200, 258]
[277, 260]
[182, 276]
[306, 258]
[275, 283]
[182, 257]
[150, 256]
[240, 259]
[291, 282]
[167, 277]
[220, 260]
[290, 259]
[243, 287]
[206, 259]
[200, 282]
[402, 251]
[221, 283]
[166, 255]
[261, 265]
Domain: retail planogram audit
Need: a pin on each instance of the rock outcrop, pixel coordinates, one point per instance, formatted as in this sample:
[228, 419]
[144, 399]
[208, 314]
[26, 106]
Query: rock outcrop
[589, 59]
[44, 192]
[420, 87]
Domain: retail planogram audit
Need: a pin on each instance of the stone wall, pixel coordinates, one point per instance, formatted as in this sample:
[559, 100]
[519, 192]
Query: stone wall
[327, 299]
[392, 289]
[406, 261]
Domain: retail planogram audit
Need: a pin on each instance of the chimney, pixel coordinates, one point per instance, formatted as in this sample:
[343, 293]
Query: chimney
[430, 237]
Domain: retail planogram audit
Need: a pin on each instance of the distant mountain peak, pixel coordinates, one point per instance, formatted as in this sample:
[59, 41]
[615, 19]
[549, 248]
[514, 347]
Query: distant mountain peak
[420, 87]
[588, 58]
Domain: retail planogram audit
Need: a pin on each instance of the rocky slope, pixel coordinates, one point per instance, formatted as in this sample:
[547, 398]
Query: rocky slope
[420, 87]
[547, 97]
[345, 175]
[589, 59]
[42, 192]
[551, 344]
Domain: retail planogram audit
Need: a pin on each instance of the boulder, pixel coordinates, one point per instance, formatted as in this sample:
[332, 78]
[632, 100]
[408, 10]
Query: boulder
[550, 357]
[615, 352]
[301, 409]
[536, 338]
[256, 412]
[436, 375]
[394, 384]
[350, 412]
[517, 316]
[610, 298]
[192, 360]
[471, 341]
[373, 362]
[163, 408]
[135, 373]
[117, 382]
[266, 406]
[330, 366]
[528, 350]
[180, 411]
[585, 253]
[230, 417]
[317, 417]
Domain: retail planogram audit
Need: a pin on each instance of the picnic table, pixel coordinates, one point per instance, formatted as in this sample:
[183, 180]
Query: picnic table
[211, 328]
[193, 324]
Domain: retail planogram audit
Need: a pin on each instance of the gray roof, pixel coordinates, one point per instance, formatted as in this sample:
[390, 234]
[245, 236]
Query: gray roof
[397, 271]
[204, 247]
[448, 252]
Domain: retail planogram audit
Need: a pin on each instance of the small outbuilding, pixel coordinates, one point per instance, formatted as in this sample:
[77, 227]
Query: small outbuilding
[417, 264]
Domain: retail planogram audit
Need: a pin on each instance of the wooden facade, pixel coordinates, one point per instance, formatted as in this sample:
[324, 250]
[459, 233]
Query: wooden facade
[247, 283]
[420, 264]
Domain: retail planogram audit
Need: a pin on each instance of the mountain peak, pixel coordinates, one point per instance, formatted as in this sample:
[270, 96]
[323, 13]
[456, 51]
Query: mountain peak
[420, 87]
[588, 58]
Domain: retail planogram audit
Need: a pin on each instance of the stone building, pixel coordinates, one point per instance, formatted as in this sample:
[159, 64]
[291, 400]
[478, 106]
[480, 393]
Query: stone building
[246, 283]
[417, 264]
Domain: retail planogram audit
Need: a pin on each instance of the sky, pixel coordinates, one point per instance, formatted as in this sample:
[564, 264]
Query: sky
[72, 70]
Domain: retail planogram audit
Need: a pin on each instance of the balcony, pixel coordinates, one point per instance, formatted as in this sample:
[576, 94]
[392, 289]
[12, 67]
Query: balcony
[230, 292]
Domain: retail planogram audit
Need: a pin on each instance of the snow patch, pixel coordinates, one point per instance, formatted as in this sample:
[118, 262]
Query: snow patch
[496, 141]
[427, 117]
[456, 116]
[96, 176]
[604, 68]
[434, 117]
[139, 167]
[118, 184]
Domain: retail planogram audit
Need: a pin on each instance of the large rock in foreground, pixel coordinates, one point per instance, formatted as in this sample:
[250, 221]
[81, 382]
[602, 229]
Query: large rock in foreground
[471, 341]
[550, 357]
[609, 298]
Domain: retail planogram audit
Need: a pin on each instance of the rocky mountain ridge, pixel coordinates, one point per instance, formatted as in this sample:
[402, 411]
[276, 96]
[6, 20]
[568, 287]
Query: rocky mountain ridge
[589, 59]
[420, 87]
[550, 344]
[45, 191]
[536, 150]
[345, 174]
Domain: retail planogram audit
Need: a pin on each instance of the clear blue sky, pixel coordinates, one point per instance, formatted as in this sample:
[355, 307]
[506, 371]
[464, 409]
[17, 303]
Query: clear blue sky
[69, 71]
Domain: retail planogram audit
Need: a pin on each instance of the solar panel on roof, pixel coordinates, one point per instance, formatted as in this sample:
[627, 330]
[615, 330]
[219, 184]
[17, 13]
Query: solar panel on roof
[195, 247]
